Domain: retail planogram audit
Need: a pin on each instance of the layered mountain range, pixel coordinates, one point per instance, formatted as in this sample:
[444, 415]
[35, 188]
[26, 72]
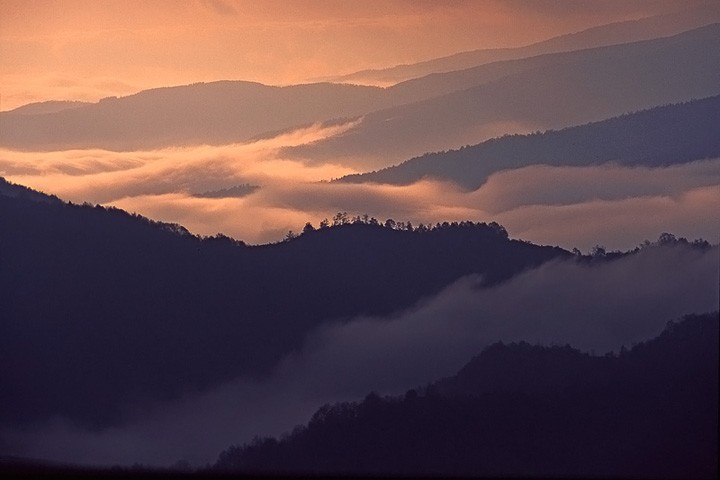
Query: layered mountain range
[380, 229]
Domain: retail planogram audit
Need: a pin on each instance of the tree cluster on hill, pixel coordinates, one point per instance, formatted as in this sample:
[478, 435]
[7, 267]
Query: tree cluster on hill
[523, 410]
[235, 191]
[342, 218]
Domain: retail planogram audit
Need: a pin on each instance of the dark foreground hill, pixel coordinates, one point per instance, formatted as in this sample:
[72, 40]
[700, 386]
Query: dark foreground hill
[657, 137]
[100, 308]
[522, 410]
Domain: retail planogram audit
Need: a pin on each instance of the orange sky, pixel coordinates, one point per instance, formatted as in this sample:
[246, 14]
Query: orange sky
[89, 49]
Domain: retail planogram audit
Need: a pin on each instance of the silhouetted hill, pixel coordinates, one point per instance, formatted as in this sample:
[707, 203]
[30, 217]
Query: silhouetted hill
[521, 410]
[610, 34]
[213, 113]
[437, 84]
[51, 106]
[100, 307]
[657, 137]
[561, 90]
[235, 191]
[13, 190]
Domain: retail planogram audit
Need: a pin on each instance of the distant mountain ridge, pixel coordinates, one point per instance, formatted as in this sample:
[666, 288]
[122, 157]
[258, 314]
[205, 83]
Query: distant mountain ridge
[425, 114]
[52, 106]
[564, 89]
[610, 34]
[213, 113]
[657, 137]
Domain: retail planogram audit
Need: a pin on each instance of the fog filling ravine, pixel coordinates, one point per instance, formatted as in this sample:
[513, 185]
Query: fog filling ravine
[259, 237]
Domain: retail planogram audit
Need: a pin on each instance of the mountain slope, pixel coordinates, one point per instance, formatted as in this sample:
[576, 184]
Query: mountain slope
[569, 89]
[213, 113]
[657, 137]
[51, 106]
[522, 410]
[610, 34]
[101, 308]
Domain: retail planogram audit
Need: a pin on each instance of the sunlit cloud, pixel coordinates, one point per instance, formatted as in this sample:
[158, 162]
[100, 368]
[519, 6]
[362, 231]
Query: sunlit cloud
[553, 185]
[102, 176]
[568, 206]
[618, 223]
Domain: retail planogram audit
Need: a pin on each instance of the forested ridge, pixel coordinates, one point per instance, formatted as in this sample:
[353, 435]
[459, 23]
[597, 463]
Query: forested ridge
[146, 309]
[657, 137]
[525, 410]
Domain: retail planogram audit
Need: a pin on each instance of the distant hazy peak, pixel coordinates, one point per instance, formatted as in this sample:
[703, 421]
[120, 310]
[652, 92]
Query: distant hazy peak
[50, 106]
[602, 35]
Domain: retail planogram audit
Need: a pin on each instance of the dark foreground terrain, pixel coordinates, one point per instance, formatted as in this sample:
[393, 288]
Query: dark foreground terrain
[527, 411]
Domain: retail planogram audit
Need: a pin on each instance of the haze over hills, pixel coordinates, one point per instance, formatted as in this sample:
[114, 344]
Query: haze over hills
[436, 84]
[575, 88]
[650, 412]
[153, 316]
[657, 137]
[127, 341]
[610, 34]
[51, 106]
[431, 113]
[205, 113]
[171, 184]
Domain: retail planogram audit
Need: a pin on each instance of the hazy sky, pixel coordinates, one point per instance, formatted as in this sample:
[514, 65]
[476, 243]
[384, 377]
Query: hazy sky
[87, 49]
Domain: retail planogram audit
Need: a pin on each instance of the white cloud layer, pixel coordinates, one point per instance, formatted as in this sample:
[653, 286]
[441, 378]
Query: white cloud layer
[568, 206]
